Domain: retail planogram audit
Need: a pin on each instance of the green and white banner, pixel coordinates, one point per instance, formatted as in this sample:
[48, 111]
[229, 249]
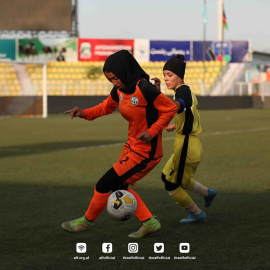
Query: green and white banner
[45, 50]
[8, 49]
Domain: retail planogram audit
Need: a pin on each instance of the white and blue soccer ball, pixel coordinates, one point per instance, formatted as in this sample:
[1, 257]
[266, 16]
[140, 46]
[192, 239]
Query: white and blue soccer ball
[121, 205]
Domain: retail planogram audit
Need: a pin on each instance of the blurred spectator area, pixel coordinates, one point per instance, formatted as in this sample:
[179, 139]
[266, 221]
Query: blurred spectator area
[86, 78]
[9, 83]
[259, 73]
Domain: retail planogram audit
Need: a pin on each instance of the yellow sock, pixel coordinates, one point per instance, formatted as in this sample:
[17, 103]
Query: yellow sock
[191, 185]
[181, 197]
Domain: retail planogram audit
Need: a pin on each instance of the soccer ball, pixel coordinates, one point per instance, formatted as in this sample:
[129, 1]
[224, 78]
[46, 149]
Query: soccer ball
[121, 205]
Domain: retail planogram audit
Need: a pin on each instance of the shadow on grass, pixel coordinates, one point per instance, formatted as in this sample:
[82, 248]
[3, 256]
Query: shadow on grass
[32, 149]
[235, 235]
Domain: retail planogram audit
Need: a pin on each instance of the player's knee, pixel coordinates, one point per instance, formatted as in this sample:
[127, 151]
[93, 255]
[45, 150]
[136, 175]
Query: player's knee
[101, 188]
[163, 177]
[119, 185]
[168, 185]
[110, 181]
[185, 183]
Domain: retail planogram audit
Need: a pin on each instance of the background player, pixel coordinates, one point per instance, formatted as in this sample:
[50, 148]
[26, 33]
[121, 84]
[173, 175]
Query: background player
[179, 171]
[148, 112]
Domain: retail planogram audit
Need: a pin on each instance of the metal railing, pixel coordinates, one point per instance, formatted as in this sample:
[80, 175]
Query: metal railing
[261, 89]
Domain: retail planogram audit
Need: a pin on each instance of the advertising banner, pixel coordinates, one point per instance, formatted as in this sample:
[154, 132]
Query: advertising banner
[142, 50]
[164, 50]
[100, 49]
[198, 51]
[8, 49]
[230, 51]
[47, 49]
[240, 50]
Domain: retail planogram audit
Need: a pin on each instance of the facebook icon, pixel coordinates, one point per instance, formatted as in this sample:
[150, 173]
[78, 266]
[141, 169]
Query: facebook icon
[107, 247]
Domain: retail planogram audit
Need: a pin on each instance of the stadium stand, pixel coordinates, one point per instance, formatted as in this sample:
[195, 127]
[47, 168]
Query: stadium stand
[9, 83]
[86, 78]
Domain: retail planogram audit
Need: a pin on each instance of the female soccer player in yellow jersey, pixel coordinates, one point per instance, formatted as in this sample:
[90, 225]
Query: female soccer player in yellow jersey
[180, 168]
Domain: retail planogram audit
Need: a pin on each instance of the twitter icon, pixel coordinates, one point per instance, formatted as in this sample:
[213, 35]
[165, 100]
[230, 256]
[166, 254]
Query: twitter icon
[158, 247]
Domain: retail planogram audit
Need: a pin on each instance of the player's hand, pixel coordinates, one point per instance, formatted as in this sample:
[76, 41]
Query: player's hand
[157, 82]
[75, 112]
[145, 137]
[170, 128]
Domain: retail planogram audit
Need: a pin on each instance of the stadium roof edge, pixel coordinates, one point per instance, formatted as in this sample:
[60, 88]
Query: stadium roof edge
[261, 53]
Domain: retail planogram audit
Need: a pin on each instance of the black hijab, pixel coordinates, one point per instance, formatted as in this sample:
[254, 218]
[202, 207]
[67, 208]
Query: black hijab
[123, 65]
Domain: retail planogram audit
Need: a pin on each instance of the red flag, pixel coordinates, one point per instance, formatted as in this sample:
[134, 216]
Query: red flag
[224, 20]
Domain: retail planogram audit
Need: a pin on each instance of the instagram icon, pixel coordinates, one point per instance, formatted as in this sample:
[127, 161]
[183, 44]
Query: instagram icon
[133, 247]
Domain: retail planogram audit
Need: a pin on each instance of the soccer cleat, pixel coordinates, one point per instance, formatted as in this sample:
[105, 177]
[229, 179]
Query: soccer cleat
[77, 225]
[193, 218]
[210, 197]
[149, 227]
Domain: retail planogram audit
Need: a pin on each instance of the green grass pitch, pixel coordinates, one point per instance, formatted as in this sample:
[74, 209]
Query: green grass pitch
[49, 167]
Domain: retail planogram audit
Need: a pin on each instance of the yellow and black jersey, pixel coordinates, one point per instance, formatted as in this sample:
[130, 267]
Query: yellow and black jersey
[182, 165]
[187, 120]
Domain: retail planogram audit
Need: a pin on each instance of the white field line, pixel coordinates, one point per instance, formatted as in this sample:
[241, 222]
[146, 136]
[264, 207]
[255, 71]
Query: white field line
[218, 133]
[229, 132]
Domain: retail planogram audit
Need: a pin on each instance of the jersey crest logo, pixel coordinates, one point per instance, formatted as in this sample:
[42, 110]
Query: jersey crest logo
[134, 101]
[121, 98]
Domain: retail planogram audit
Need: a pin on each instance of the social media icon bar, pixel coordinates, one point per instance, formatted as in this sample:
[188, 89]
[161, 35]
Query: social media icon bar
[107, 247]
[81, 247]
[158, 247]
[133, 247]
[184, 247]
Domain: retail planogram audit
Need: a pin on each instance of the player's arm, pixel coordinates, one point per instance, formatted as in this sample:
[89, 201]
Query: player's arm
[75, 112]
[106, 107]
[183, 98]
[167, 110]
[157, 82]
[170, 128]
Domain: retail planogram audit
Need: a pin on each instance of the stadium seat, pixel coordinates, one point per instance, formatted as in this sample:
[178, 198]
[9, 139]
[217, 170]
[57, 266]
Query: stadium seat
[73, 78]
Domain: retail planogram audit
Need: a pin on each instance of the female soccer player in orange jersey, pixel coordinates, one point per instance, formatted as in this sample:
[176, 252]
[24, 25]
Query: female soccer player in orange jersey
[148, 112]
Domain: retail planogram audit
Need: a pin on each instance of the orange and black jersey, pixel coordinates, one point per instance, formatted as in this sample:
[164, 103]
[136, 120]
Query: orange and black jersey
[145, 109]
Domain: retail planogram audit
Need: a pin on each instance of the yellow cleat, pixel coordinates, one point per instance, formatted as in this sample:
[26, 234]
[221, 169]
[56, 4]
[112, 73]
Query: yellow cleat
[149, 227]
[77, 225]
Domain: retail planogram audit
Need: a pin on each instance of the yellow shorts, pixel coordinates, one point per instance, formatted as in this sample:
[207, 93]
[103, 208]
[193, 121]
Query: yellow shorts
[182, 174]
